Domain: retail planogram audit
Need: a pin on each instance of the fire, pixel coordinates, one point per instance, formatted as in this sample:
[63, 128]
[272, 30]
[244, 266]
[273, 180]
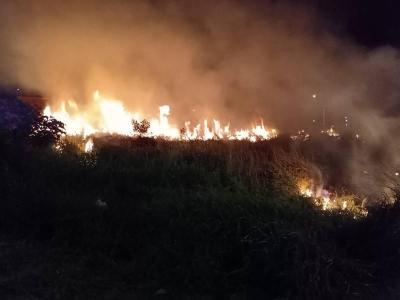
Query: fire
[331, 132]
[330, 201]
[161, 127]
[305, 188]
[105, 115]
[321, 197]
[89, 146]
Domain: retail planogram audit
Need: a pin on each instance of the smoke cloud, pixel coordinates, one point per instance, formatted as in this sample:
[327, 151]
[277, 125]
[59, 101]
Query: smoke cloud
[225, 59]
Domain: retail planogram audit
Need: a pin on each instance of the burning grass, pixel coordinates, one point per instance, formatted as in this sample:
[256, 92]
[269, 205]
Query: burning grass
[183, 219]
[109, 116]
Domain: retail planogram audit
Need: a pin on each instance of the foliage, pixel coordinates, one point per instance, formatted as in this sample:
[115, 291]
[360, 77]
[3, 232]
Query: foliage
[20, 123]
[196, 220]
[141, 127]
[46, 131]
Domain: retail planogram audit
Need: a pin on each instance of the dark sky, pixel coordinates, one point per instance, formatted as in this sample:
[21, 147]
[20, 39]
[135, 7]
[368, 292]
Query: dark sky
[371, 23]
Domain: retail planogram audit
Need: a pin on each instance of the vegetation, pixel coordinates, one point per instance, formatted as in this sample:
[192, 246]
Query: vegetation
[140, 127]
[151, 219]
[46, 131]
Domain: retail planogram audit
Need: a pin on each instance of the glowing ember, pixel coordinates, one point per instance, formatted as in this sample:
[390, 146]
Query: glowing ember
[109, 116]
[344, 205]
[330, 132]
[326, 200]
[302, 136]
[322, 198]
[330, 201]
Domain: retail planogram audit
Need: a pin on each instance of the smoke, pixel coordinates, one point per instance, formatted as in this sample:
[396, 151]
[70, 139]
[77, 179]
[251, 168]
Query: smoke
[226, 59]
[220, 58]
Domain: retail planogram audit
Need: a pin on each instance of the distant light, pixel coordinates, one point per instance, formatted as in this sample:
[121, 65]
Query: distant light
[313, 121]
[397, 173]
[357, 136]
[314, 96]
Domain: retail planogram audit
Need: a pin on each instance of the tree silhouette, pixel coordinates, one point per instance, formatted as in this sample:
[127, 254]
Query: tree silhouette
[141, 127]
[46, 131]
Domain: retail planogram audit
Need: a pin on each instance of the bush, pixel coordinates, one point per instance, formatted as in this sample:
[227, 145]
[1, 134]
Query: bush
[141, 127]
[46, 131]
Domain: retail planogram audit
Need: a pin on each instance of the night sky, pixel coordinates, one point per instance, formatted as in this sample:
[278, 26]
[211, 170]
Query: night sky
[371, 23]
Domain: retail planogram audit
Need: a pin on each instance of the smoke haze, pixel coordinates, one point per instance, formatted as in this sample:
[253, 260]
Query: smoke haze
[224, 59]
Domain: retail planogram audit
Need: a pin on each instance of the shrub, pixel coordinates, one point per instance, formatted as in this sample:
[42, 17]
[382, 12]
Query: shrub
[46, 131]
[141, 127]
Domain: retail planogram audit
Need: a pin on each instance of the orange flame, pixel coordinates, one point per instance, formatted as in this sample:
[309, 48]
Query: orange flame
[109, 116]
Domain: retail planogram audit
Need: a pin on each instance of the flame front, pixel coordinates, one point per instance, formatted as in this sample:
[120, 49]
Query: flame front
[330, 201]
[106, 115]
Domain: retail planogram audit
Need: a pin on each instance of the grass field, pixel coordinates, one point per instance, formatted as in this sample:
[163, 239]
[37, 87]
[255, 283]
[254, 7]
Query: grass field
[152, 219]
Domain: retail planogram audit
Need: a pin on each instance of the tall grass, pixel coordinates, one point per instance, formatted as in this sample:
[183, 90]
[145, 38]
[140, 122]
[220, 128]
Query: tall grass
[194, 219]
